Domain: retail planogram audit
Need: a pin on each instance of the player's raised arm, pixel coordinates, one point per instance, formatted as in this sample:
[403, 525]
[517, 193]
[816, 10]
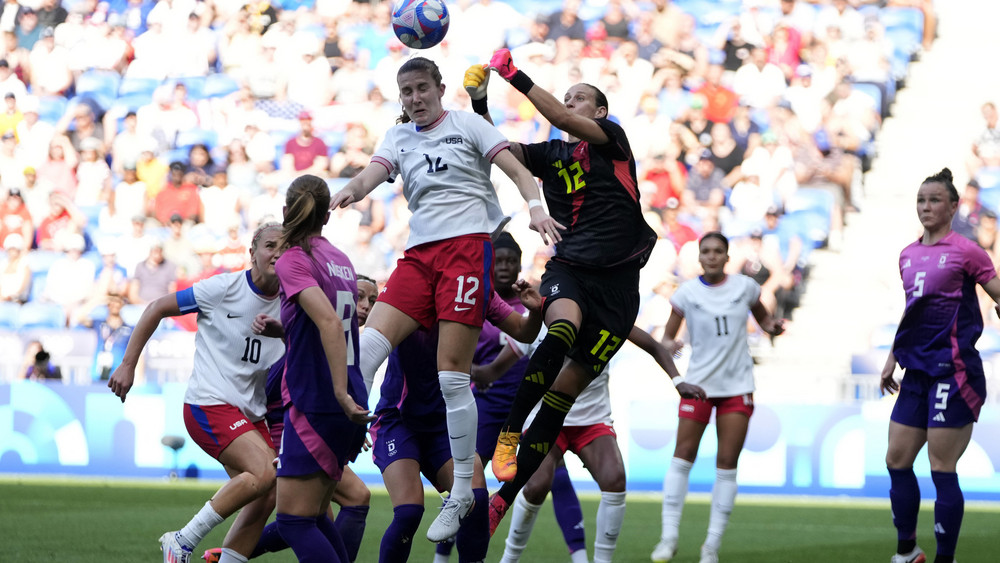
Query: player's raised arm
[559, 114]
[361, 185]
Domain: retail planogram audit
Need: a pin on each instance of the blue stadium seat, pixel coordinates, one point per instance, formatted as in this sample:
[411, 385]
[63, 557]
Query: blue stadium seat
[133, 85]
[990, 199]
[989, 342]
[51, 108]
[812, 226]
[903, 39]
[187, 139]
[104, 83]
[98, 314]
[131, 313]
[988, 177]
[902, 17]
[38, 280]
[873, 91]
[219, 84]
[41, 315]
[39, 261]
[9, 313]
[812, 199]
[883, 336]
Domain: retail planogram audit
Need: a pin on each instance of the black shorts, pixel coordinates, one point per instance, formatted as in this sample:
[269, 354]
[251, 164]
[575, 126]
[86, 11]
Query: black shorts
[609, 300]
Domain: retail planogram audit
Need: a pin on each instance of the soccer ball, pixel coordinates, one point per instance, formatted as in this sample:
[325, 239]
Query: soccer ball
[420, 24]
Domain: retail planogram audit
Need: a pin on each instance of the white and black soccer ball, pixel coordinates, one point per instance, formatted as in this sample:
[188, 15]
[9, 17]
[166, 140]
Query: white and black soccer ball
[420, 24]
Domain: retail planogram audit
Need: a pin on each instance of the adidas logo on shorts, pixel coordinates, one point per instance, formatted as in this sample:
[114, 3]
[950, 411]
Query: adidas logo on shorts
[939, 417]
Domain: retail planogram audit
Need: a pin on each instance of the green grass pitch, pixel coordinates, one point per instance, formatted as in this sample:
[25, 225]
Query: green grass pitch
[84, 521]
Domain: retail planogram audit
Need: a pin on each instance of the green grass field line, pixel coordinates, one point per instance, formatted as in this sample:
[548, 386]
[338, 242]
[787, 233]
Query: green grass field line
[110, 520]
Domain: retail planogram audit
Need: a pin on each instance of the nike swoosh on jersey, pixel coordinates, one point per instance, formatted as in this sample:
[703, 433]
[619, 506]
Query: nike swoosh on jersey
[232, 316]
[461, 309]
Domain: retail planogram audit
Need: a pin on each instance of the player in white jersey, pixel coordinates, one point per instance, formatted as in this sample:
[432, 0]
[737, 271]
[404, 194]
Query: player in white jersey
[715, 307]
[446, 271]
[589, 433]
[225, 402]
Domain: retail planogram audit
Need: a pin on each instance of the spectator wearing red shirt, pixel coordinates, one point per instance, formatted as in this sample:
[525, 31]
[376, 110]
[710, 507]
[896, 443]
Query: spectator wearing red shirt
[305, 153]
[64, 217]
[178, 196]
[720, 102]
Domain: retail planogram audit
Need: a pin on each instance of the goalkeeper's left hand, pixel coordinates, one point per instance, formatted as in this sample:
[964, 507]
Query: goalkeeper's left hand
[477, 78]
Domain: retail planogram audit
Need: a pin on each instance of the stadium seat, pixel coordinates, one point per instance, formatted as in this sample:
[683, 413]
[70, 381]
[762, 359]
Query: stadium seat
[883, 336]
[911, 19]
[51, 108]
[988, 177]
[131, 313]
[990, 199]
[39, 261]
[219, 84]
[989, 342]
[812, 226]
[812, 199]
[103, 83]
[41, 315]
[903, 39]
[187, 139]
[38, 280]
[873, 91]
[133, 85]
[9, 313]
[195, 86]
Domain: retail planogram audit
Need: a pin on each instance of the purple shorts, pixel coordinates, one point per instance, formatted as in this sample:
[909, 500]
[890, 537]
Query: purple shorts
[939, 402]
[314, 442]
[491, 421]
[393, 440]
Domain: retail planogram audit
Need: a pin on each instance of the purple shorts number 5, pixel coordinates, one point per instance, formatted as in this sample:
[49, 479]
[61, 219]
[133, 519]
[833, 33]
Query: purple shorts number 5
[939, 402]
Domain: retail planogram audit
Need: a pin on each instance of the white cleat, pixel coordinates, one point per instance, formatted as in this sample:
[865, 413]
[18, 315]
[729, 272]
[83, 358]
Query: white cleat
[915, 556]
[664, 551]
[173, 551]
[708, 555]
[449, 520]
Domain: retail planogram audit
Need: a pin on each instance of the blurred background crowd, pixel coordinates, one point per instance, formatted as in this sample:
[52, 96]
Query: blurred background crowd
[141, 141]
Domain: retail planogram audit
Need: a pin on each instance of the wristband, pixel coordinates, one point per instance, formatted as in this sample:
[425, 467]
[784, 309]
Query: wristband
[521, 82]
[678, 380]
[480, 106]
[533, 203]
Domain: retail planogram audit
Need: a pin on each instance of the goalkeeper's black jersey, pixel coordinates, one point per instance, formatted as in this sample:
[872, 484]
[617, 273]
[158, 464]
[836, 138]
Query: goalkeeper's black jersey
[592, 191]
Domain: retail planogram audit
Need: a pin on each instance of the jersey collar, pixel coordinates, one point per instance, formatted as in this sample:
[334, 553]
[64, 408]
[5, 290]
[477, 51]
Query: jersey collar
[432, 124]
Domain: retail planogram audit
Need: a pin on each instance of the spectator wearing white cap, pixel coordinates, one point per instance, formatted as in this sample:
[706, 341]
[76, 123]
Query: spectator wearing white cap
[15, 277]
[805, 98]
[154, 277]
[93, 174]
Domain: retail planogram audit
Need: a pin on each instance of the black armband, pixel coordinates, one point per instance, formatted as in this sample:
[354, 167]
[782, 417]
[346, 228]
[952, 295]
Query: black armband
[480, 106]
[521, 82]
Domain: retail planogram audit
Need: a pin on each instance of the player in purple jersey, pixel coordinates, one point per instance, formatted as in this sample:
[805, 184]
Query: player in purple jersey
[444, 160]
[943, 385]
[591, 285]
[322, 386]
[224, 402]
[351, 494]
[411, 435]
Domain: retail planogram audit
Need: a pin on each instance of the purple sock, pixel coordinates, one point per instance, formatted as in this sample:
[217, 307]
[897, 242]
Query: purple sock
[445, 547]
[305, 539]
[270, 541]
[399, 535]
[473, 537]
[351, 525]
[904, 498]
[948, 510]
[329, 530]
[569, 515]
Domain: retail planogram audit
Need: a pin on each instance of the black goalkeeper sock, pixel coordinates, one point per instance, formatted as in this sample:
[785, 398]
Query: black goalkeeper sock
[538, 440]
[543, 367]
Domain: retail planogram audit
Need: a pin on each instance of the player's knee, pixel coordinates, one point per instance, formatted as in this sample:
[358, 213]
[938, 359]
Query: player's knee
[534, 493]
[612, 481]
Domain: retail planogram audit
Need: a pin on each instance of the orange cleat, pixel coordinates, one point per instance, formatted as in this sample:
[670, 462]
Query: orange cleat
[505, 456]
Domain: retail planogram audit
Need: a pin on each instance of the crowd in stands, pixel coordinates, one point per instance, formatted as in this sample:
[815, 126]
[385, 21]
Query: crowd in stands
[141, 141]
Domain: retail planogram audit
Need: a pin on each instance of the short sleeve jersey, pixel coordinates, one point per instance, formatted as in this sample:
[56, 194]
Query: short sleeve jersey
[411, 378]
[716, 317]
[446, 175]
[307, 383]
[941, 322]
[230, 361]
[592, 191]
[592, 406]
